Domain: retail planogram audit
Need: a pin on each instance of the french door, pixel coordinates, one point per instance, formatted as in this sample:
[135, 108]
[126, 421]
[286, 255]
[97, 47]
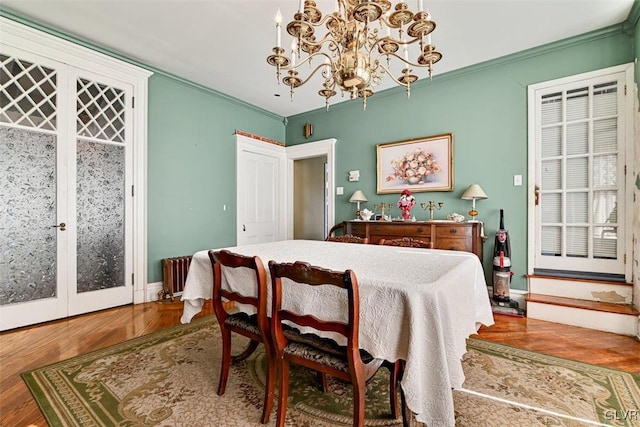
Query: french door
[65, 190]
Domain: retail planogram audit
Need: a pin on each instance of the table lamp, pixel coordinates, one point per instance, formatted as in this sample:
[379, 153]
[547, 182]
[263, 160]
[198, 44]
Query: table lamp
[357, 197]
[473, 193]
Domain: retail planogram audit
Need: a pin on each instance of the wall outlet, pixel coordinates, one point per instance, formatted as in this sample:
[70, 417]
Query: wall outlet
[517, 180]
[339, 191]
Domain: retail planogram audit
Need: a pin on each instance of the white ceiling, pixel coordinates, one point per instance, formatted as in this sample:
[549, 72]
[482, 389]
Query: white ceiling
[223, 44]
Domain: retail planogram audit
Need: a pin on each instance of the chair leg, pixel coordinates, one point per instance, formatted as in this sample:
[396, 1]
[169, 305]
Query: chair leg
[270, 384]
[226, 360]
[321, 377]
[359, 392]
[283, 392]
[407, 415]
[247, 352]
[394, 377]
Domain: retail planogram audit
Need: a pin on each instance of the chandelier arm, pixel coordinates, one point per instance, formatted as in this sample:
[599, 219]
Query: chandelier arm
[400, 58]
[392, 77]
[308, 59]
[315, 70]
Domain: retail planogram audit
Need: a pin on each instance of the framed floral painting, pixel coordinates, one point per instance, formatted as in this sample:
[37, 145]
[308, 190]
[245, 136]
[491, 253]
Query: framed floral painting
[422, 164]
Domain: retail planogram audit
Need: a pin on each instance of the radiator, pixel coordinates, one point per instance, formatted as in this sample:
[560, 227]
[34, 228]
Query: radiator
[174, 275]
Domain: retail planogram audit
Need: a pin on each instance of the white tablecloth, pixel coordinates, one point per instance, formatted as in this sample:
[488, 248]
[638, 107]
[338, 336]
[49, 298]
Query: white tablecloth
[417, 305]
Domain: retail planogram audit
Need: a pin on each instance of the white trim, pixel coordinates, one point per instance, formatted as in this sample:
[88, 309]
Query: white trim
[32, 40]
[534, 111]
[616, 323]
[326, 147]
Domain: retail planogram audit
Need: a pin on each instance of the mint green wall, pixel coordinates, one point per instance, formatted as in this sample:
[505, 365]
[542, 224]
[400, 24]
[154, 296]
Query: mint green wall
[191, 167]
[485, 107]
[636, 45]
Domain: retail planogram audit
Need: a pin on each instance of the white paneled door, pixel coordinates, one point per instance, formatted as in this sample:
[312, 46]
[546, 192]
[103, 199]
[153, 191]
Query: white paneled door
[259, 170]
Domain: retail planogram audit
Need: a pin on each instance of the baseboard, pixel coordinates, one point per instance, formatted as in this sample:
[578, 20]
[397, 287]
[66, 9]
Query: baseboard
[151, 291]
[515, 294]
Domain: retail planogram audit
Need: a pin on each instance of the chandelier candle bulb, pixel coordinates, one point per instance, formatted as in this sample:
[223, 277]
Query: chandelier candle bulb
[419, 5]
[278, 28]
[301, 7]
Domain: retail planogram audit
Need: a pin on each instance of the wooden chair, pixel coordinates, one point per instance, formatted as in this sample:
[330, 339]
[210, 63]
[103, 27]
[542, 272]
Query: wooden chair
[256, 327]
[407, 242]
[348, 238]
[323, 355]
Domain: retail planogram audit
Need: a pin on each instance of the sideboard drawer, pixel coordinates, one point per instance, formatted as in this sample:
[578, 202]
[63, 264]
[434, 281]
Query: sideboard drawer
[404, 230]
[460, 231]
[358, 229]
[465, 245]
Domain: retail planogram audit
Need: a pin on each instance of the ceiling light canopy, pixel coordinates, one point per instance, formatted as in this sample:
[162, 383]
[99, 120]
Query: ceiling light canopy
[355, 46]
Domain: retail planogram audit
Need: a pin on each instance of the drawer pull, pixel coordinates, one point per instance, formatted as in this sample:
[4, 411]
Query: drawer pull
[453, 249]
[453, 230]
[420, 230]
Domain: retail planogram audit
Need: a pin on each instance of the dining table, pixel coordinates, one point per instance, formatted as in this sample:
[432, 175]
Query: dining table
[416, 305]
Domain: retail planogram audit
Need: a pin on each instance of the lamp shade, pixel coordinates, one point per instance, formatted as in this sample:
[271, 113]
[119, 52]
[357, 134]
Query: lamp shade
[474, 192]
[358, 196]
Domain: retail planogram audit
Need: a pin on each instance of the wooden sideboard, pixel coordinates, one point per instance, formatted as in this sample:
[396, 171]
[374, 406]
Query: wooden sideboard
[455, 236]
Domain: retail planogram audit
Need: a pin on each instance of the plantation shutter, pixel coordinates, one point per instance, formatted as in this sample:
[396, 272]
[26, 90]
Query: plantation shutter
[580, 180]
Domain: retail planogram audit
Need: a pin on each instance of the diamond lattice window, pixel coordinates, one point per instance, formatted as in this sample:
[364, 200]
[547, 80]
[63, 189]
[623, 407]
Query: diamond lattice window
[101, 111]
[27, 94]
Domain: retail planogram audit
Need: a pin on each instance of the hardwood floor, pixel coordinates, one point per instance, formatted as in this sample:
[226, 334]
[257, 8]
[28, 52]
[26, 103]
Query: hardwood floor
[32, 347]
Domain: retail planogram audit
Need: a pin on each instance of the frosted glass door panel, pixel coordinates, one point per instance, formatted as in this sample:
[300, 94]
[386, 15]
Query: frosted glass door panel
[28, 212]
[100, 206]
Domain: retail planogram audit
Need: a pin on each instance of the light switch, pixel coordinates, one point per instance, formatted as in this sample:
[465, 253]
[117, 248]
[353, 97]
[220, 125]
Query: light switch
[517, 180]
[339, 191]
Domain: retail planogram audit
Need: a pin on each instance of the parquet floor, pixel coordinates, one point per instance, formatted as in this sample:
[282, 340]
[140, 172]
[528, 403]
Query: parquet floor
[31, 347]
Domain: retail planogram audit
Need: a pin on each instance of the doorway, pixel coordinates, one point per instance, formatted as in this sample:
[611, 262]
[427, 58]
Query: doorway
[310, 193]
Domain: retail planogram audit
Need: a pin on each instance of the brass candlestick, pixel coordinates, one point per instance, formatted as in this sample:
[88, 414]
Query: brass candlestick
[382, 207]
[431, 206]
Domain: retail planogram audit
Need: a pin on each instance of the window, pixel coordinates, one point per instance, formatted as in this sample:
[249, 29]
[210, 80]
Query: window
[579, 136]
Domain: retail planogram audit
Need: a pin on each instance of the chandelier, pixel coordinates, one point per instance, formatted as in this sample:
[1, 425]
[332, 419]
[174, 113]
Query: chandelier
[361, 40]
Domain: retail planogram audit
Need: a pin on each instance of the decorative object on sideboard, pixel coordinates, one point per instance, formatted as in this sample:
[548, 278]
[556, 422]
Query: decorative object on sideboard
[474, 192]
[421, 164]
[383, 207]
[431, 206]
[455, 217]
[366, 214]
[406, 203]
[355, 46]
[357, 197]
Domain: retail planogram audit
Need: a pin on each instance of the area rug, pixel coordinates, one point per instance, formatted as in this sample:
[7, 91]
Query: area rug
[170, 378]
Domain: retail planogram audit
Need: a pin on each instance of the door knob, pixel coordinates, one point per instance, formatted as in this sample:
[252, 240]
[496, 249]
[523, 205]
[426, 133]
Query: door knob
[62, 226]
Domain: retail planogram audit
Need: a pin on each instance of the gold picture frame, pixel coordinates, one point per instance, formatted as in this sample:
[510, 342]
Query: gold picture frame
[421, 164]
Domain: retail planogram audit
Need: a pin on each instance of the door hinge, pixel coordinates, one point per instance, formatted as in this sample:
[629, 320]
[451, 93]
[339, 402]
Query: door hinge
[133, 101]
[625, 170]
[625, 258]
[625, 89]
[132, 192]
[132, 278]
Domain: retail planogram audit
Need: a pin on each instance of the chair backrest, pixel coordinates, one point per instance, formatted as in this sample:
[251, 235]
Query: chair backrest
[304, 274]
[256, 298]
[348, 238]
[338, 230]
[407, 242]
